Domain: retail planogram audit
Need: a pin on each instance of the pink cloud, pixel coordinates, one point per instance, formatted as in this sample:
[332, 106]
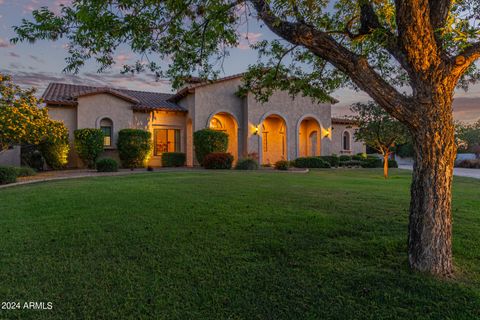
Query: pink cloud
[5, 44]
[247, 39]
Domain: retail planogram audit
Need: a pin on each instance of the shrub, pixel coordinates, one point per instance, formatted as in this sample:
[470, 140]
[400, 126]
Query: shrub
[208, 141]
[282, 165]
[311, 162]
[24, 171]
[345, 158]
[7, 175]
[333, 160]
[89, 145]
[55, 154]
[107, 165]
[360, 157]
[372, 162]
[173, 159]
[472, 164]
[392, 163]
[218, 160]
[351, 163]
[247, 164]
[134, 147]
[32, 158]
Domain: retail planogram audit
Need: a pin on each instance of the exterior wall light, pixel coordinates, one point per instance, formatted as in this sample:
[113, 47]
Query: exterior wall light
[255, 130]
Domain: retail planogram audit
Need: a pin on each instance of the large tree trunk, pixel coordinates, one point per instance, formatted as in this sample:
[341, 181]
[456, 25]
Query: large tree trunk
[430, 225]
[385, 165]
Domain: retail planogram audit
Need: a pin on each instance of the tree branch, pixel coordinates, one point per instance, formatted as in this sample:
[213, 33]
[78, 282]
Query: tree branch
[439, 10]
[356, 67]
[461, 62]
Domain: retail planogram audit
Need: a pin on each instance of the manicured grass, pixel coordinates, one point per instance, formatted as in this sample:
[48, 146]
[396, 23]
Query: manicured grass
[330, 244]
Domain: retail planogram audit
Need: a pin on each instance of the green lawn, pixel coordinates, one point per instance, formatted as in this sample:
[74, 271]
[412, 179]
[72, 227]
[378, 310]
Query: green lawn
[230, 245]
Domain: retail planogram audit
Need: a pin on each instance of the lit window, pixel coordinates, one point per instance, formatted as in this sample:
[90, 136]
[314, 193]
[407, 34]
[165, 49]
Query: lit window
[106, 127]
[166, 140]
[216, 124]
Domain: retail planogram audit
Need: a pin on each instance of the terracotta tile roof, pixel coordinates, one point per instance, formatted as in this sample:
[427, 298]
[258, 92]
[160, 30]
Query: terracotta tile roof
[67, 94]
[343, 121]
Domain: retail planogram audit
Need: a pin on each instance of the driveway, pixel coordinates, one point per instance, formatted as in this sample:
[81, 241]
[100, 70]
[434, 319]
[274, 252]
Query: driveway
[460, 172]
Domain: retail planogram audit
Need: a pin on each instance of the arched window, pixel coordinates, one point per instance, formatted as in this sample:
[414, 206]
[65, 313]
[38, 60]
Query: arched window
[106, 125]
[346, 140]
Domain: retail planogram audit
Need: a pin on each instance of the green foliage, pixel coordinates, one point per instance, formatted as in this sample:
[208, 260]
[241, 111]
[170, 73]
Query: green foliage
[372, 162]
[311, 162]
[345, 158]
[55, 153]
[218, 160]
[359, 157]
[134, 147]
[32, 157]
[405, 150]
[207, 141]
[282, 165]
[8, 175]
[24, 171]
[23, 120]
[468, 137]
[351, 163]
[173, 159]
[377, 128]
[247, 164]
[392, 163]
[89, 145]
[106, 165]
[333, 160]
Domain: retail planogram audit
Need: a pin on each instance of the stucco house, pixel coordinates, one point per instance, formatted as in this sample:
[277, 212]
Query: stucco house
[282, 128]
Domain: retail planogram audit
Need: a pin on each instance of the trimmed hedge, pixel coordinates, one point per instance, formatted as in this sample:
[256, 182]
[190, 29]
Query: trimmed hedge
[55, 154]
[24, 171]
[311, 162]
[344, 158]
[472, 164]
[282, 165]
[333, 160]
[89, 145]
[247, 164]
[8, 175]
[209, 141]
[372, 162]
[107, 165]
[134, 147]
[218, 160]
[351, 163]
[173, 159]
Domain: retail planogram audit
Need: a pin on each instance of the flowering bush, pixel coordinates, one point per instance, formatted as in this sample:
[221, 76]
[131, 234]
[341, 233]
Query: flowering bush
[218, 160]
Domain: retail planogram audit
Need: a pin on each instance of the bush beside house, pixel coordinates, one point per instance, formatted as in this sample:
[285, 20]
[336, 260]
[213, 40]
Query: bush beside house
[55, 153]
[247, 164]
[208, 141]
[134, 147]
[8, 175]
[282, 165]
[311, 162]
[107, 165]
[173, 159]
[89, 145]
[218, 160]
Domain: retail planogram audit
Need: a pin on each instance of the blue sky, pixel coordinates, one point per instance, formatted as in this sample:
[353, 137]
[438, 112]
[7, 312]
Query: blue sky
[40, 63]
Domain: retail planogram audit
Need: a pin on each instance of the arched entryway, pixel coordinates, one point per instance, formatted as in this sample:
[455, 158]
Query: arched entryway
[274, 139]
[225, 122]
[309, 140]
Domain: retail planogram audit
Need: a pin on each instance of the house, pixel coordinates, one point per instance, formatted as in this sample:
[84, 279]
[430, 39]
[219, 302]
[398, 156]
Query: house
[282, 128]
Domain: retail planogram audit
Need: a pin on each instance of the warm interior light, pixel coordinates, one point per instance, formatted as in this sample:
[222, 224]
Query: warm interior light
[326, 132]
[255, 130]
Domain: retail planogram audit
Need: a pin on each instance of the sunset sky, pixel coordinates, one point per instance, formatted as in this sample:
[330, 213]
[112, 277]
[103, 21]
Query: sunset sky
[40, 63]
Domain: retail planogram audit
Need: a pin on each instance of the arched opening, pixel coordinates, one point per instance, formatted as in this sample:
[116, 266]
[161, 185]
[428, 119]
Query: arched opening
[346, 141]
[106, 125]
[225, 122]
[309, 138]
[274, 139]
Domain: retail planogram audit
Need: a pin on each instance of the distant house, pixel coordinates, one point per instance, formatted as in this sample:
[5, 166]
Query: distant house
[282, 128]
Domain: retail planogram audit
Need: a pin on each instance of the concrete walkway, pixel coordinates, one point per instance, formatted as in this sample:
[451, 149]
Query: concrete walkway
[459, 172]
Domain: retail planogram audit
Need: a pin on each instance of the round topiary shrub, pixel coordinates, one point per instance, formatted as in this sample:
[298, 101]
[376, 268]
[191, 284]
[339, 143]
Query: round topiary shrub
[89, 145]
[247, 164]
[173, 159]
[107, 165]
[218, 160]
[134, 147]
[282, 165]
[208, 141]
[8, 175]
[55, 154]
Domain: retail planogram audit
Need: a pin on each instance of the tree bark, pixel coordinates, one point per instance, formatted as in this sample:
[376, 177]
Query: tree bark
[430, 223]
[385, 165]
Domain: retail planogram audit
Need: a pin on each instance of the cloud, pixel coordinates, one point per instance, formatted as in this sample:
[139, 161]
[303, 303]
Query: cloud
[247, 39]
[13, 54]
[36, 59]
[122, 58]
[5, 44]
[466, 109]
